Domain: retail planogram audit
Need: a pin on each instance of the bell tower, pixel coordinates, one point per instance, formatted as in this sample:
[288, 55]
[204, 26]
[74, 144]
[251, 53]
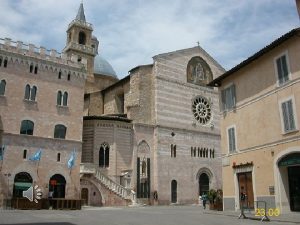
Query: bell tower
[80, 44]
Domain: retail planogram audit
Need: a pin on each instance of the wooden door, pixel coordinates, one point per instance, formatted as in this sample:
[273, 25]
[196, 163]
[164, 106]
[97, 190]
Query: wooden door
[246, 187]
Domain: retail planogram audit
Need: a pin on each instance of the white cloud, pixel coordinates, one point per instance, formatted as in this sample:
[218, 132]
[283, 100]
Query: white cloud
[132, 31]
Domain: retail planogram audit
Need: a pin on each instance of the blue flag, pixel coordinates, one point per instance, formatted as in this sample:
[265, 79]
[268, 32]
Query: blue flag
[71, 161]
[36, 156]
[2, 152]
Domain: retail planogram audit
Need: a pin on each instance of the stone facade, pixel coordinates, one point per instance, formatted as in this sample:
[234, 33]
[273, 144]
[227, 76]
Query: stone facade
[157, 101]
[263, 144]
[50, 73]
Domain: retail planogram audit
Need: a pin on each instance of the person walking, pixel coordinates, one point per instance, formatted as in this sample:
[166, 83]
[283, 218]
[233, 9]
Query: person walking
[204, 199]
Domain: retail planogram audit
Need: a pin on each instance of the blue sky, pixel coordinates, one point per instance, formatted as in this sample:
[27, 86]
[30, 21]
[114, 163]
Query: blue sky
[132, 31]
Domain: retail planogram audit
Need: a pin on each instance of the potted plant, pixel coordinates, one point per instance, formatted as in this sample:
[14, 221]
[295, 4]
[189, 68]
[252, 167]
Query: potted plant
[215, 198]
[212, 194]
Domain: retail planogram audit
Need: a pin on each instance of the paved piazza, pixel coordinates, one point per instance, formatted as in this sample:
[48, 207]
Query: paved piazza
[160, 215]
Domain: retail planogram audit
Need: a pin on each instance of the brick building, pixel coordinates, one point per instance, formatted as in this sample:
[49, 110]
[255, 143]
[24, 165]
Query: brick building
[41, 106]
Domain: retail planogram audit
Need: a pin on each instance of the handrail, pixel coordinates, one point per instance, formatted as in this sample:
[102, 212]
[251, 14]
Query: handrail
[110, 184]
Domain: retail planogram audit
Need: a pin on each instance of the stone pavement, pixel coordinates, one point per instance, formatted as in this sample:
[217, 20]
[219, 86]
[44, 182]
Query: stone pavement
[149, 215]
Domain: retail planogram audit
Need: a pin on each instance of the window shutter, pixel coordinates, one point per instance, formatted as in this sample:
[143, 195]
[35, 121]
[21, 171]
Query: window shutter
[291, 115]
[279, 70]
[223, 106]
[233, 95]
[284, 69]
[231, 138]
[285, 115]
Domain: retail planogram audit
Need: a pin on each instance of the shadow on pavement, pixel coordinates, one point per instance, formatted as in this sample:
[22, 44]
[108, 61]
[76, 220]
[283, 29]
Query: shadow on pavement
[56, 223]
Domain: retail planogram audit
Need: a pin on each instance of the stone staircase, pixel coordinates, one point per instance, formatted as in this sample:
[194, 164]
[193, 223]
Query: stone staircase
[118, 189]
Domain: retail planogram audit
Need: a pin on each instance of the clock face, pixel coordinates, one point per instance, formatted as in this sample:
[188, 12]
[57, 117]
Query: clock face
[201, 109]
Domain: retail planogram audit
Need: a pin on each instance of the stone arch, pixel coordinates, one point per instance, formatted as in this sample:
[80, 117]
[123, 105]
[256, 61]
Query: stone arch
[282, 192]
[199, 177]
[22, 181]
[57, 185]
[143, 148]
[198, 71]
[204, 170]
[89, 183]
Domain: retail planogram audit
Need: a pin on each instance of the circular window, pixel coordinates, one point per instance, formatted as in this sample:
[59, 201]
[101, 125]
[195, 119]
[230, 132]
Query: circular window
[201, 110]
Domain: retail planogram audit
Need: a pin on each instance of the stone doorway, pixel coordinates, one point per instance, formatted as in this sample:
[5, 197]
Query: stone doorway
[85, 196]
[174, 191]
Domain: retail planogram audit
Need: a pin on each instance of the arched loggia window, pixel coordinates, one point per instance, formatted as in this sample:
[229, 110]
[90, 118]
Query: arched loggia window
[104, 155]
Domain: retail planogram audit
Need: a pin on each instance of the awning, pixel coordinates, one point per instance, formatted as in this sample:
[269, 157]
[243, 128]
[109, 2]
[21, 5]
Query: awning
[290, 160]
[22, 185]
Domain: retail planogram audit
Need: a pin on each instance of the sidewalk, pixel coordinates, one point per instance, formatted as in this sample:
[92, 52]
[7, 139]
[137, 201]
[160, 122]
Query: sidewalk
[293, 217]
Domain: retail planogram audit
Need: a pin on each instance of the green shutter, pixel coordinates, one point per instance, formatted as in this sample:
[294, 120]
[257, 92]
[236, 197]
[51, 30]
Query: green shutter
[233, 95]
[291, 115]
[285, 72]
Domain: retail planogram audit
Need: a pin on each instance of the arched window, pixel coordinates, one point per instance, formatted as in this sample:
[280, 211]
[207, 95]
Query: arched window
[24, 154]
[65, 99]
[35, 69]
[31, 68]
[81, 38]
[104, 155]
[191, 151]
[57, 184]
[27, 127]
[69, 76]
[58, 157]
[33, 93]
[0, 61]
[59, 74]
[59, 97]
[27, 92]
[60, 131]
[2, 87]
[22, 182]
[213, 153]
[203, 184]
[5, 62]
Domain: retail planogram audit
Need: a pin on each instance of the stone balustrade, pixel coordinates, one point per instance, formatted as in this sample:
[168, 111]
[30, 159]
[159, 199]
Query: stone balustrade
[107, 182]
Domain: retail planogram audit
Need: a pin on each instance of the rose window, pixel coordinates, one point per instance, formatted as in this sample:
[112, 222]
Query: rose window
[201, 110]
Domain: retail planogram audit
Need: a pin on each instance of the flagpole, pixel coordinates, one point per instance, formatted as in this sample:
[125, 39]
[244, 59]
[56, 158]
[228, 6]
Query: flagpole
[37, 168]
